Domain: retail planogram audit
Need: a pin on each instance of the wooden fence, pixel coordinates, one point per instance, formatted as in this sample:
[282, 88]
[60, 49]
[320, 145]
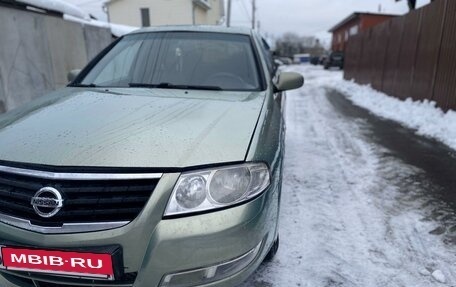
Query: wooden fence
[413, 56]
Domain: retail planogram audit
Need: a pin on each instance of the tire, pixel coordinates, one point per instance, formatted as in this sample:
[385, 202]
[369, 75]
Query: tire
[273, 251]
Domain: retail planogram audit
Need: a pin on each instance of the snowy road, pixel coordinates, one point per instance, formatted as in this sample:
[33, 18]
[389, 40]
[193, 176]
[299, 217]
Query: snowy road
[354, 211]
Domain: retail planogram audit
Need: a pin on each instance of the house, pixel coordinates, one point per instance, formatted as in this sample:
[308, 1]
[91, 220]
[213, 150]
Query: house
[144, 13]
[354, 24]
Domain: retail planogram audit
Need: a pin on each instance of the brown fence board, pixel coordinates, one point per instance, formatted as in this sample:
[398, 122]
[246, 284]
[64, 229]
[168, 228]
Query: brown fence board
[365, 61]
[393, 48]
[428, 49]
[380, 40]
[354, 47]
[409, 56]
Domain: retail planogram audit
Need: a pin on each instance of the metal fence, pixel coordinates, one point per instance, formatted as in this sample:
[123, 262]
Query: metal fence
[413, 56]
[37, 50]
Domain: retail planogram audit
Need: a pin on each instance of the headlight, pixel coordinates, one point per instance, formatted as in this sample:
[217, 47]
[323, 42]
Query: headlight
[204, 190]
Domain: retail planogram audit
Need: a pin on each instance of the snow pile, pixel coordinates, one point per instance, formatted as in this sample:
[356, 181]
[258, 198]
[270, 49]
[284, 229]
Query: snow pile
[59, 5]
[75, 14]
[116, 29]
[423, 116]
[120, 30]
[92, 22]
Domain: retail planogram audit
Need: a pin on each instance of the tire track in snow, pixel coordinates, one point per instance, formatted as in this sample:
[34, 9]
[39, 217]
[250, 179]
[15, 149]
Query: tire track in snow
[346, 219]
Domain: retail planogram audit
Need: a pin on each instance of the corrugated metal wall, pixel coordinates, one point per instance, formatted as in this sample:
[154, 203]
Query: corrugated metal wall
[413, 56]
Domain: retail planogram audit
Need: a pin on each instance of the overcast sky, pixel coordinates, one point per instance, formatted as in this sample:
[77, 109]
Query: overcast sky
[304, 17]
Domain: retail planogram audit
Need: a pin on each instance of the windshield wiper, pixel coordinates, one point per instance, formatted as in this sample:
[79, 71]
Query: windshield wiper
[84, 85]
[172, 86]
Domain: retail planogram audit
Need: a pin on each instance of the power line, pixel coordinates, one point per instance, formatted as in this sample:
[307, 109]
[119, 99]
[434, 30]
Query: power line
[251, 17]
[245, 10]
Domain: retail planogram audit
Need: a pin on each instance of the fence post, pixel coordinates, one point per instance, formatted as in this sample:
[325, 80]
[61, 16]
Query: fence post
[388, 41]
[393, 88]
[417, 49]
[436, 66]
[359, 63]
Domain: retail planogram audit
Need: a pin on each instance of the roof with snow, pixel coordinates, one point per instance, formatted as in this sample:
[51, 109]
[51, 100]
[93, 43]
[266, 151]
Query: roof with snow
[73, 13]
[59, 6]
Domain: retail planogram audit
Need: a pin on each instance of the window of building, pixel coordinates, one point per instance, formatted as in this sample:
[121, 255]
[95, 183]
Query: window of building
[354, 30]
[145, 17]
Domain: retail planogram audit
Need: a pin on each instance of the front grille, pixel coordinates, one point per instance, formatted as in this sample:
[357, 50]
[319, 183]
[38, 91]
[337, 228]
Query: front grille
[127, 279]
[85, 201]
[49, 284]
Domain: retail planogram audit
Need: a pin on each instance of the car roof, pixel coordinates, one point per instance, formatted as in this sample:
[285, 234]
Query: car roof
[196, 28]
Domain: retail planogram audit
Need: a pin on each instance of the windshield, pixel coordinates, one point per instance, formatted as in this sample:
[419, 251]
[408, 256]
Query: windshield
[189, 60]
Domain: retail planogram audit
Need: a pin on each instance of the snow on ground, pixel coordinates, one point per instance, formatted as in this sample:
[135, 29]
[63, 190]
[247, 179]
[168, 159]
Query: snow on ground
[350, 216]
[424, 117]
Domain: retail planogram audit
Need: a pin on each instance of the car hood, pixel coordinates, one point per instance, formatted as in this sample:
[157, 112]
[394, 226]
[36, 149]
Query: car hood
[79, 127]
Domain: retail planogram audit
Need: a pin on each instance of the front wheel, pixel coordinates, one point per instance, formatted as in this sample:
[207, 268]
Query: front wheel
[273, 251]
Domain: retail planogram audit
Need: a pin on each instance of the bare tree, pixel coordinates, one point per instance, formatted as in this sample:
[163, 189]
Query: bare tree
[290, 44]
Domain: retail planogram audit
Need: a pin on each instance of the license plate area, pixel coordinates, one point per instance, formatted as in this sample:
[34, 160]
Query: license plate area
[99, 265]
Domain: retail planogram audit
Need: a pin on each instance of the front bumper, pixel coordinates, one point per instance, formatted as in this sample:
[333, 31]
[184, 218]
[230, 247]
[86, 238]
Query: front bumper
[154, 247]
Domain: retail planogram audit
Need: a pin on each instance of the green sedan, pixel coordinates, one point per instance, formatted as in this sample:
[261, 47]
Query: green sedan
[159, 165]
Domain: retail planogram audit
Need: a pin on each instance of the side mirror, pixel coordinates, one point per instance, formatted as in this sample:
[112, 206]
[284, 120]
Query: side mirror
[276, 66]
[289, 81]
[73, 74]
[278, 63]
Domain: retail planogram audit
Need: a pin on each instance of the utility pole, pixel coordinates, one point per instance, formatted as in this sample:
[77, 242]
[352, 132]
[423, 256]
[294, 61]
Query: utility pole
[253, 14]
[228, 17]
